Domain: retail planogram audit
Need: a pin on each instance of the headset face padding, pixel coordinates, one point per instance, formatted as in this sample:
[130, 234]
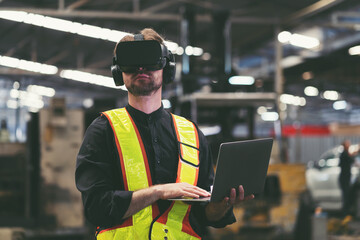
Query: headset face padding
[168, 70]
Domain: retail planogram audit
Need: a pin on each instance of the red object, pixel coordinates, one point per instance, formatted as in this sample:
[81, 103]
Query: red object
[306, 130]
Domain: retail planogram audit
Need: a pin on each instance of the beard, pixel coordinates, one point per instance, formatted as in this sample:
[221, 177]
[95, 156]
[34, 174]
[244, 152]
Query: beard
[139, 87]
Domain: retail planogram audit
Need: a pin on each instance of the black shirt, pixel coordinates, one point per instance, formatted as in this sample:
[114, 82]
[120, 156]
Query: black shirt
[99, 176]
[346, 160]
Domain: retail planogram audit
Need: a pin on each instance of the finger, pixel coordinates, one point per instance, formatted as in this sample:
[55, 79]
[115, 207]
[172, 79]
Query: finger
[232, 196]
[203, 191]
[198, 191]
[190, 194]
[226, 203]
[249, 197]
[241, 193]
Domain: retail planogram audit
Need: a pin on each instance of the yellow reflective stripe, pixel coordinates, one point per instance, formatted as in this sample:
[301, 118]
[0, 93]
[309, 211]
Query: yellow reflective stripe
[188, 173]
[130, 147]
[137, 176]
[116, 234]
[160, 231]
[176, 215]
[131, 233]
[187, 134]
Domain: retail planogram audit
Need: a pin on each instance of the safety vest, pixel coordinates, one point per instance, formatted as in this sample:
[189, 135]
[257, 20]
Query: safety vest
[148, 223]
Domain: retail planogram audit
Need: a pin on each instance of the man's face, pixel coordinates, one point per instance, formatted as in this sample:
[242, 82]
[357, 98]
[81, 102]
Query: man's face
[143, 83]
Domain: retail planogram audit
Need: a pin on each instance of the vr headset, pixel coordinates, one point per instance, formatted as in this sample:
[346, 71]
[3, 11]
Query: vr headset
[149, 55]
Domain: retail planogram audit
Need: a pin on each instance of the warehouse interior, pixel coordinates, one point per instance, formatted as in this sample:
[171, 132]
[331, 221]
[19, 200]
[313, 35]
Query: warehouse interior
[245, 69]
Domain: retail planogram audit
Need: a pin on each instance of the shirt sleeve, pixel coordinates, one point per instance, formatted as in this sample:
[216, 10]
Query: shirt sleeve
[98, 177]
[205, 180]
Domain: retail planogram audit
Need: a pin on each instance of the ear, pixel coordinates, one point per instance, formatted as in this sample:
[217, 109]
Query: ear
[169, 69]
[117, 75]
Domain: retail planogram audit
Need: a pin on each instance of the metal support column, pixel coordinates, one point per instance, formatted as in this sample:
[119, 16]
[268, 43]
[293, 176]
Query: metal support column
[279, 89]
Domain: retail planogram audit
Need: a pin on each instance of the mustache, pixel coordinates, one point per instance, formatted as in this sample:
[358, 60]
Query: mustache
[149, 73]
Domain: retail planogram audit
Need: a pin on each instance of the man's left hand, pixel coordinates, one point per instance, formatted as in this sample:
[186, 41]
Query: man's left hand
[217, 210]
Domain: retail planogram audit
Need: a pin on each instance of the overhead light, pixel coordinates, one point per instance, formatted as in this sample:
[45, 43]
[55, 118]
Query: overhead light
[298, 40]
[340, 105]
[354, 50]
[261, 110]
[32, 103]
[166, 103]
[63, 25]
[90, 78]
[27, 65]
[282, 106]
[307, 75]
[41, 90]
[206, 56]
[311, 91]
[180, 51]
[49, 69]
[290, 61]
[16, 85]
[14, 93]
[284, 36]
[293, 100]
[71, 27]
[13, 104]
[331, 95]
[241, 80]
[189, 50]
[270, 116]
[210, 130]
[304, 41]
[28, 99]
[172, 46]
[88, 103]
[197, 51]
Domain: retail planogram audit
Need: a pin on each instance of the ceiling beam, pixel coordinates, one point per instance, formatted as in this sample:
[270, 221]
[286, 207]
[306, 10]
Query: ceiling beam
[310, 10]
[138, 16]
[100, 64]
[77, 4]
[61, 4]
[136, 6]
[98, 14]
[346, 19]
[58, 57]
[19, 45]
[160, 6]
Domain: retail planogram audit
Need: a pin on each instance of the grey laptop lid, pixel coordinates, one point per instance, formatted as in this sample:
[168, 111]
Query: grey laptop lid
[239, 163]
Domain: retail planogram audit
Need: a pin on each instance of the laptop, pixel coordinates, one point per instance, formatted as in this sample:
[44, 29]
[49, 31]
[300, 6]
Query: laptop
[239, 163]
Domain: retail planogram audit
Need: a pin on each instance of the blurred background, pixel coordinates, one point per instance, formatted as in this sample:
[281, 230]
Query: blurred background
[246, 69]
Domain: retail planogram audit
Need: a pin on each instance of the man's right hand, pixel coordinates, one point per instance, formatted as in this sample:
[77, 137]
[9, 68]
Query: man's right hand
[147, 196]
[174, 190]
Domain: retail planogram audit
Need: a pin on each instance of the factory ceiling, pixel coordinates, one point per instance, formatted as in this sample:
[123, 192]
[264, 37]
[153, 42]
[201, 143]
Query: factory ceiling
[252, 27]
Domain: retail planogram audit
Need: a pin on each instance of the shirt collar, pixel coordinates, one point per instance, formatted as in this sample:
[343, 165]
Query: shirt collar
[144, 117]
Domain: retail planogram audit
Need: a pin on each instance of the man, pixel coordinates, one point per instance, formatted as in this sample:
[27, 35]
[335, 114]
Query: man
[135, 158]
[346, 161]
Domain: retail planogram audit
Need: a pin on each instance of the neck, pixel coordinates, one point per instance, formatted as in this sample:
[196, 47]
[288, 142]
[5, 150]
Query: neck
[146, 104]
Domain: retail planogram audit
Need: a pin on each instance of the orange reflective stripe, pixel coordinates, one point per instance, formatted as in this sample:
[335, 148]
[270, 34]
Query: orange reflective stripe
[128, 222]
[186, 225]
[164, 217]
